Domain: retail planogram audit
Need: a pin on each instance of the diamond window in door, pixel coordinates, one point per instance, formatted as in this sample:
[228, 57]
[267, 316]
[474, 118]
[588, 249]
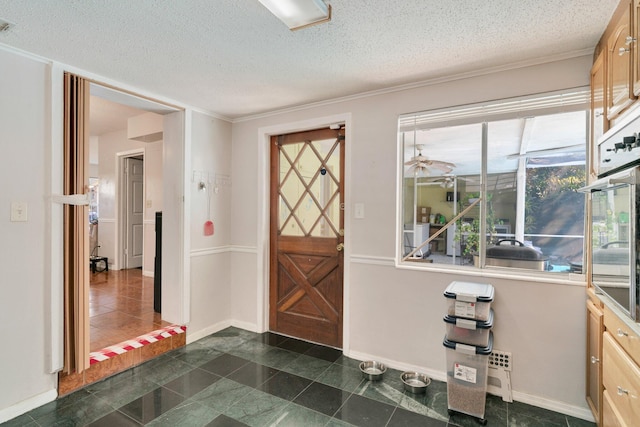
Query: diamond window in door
[309, 198]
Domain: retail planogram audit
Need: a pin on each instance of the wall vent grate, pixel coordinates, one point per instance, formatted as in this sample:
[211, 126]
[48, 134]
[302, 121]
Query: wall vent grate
[501, 360]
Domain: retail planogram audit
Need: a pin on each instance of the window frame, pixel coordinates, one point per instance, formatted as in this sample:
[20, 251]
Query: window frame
[545, 103]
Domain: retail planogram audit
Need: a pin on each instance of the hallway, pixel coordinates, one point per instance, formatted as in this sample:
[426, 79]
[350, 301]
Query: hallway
[121, 307]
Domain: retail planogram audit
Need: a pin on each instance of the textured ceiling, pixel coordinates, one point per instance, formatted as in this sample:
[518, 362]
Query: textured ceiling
[233, 58]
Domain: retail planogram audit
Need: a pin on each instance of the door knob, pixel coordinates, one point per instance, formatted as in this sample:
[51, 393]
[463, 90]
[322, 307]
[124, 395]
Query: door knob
[340, 247]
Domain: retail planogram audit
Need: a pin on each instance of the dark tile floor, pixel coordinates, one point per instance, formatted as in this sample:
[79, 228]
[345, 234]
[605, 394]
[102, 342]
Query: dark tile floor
[240, 378]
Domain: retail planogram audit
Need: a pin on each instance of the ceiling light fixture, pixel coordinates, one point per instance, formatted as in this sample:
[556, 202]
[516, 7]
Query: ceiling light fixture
[297, 14]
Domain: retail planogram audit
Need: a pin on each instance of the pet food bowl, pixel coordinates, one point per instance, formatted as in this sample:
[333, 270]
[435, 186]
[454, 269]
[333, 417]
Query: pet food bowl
[372, 371]
[415, 382]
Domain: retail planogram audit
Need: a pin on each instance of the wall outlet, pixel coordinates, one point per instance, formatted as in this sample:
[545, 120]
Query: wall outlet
[18, 211]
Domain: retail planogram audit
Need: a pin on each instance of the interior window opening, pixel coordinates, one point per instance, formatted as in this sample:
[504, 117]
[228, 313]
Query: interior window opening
[513, 181]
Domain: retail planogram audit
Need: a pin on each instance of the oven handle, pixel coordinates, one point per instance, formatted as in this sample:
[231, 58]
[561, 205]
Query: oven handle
[612, 182]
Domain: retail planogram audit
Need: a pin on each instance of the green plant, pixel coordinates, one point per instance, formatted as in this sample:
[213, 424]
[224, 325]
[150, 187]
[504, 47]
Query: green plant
[468, 233]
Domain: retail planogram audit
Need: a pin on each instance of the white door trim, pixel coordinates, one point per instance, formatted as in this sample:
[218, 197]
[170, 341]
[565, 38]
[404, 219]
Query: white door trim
[264, 135]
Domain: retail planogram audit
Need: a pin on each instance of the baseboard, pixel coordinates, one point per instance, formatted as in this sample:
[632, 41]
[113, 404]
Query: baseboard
[252, 327]
[394, 364]
[583, 413]
[147, 273]
[26, 405]
[554, 405]
[212, 329]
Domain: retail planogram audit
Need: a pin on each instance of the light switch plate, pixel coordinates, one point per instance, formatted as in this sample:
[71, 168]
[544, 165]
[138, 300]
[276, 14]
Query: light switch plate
[358, 211]
[18, 211]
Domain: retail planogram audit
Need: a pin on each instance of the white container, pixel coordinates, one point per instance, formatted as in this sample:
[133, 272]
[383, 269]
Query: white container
[469, 331]
[469, 300]
[467, 373]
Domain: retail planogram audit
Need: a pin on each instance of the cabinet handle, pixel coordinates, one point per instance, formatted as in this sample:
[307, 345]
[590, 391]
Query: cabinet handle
[629, 40]
[599, 114]
[622, 391]
[623, 50]
[594, 360]
[622, 333]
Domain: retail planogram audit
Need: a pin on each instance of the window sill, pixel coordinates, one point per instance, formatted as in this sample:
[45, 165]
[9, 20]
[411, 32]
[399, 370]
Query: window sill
[573, 279]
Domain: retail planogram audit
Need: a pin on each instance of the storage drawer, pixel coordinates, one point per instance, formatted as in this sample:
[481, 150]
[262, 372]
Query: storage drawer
[621, 378]
[627, 338]
[610, 415]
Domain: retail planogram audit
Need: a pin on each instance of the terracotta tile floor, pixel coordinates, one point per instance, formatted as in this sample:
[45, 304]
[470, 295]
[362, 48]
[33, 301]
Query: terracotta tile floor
[121, 307]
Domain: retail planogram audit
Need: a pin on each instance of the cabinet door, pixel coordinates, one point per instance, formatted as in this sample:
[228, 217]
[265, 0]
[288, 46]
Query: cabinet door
[620, 53]
[610, 416]
[621, 379]
[595, 328]
[636, 53]
[599, 122]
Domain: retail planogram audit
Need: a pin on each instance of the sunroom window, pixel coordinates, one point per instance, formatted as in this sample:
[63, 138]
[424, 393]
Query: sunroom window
[494, 186]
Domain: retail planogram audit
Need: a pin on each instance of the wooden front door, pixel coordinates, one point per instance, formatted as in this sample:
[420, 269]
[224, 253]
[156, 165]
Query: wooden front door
[306, 235]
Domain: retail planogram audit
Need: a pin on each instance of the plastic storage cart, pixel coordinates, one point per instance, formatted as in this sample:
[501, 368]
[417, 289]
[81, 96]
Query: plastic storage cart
[469, 300]
[467, 372]
[469, 331]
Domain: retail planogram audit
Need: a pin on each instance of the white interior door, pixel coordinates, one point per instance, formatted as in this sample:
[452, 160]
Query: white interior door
[134, 170]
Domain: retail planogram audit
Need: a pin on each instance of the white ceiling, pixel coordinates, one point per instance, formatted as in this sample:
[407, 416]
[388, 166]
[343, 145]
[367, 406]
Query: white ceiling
[233, 58]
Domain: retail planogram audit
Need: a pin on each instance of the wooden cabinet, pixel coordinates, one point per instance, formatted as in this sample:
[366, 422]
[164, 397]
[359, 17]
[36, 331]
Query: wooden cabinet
[621, 378]
[595, 329]
[620, 49]
[599, 122]
[626, 338]
[635, 13]
[610, 416]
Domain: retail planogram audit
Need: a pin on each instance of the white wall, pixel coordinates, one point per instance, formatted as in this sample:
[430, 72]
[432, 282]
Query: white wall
[26, 275]
[210, 255]
[396, 314]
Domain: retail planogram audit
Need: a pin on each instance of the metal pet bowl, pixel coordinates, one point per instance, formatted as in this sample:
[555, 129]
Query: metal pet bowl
[415, 382]
[372, 371]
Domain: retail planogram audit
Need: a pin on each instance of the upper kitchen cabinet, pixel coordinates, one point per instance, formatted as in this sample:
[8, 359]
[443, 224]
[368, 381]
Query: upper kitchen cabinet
[599, 122]
[620, 51]
[636, 50]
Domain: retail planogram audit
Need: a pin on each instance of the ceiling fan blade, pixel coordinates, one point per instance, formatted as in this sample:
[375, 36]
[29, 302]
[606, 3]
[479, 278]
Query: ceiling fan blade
[446, 167]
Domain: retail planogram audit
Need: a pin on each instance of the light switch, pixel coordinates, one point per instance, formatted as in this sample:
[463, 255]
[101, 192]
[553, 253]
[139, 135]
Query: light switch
[358, 211]
[149, 204]
[18, 211]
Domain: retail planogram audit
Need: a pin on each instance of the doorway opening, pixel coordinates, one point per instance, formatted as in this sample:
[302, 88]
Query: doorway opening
[126, 167]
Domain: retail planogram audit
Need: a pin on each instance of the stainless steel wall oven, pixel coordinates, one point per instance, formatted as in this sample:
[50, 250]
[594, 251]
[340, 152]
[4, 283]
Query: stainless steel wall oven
[615, 226]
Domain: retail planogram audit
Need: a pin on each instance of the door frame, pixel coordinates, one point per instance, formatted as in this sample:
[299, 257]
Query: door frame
[263, 241]
[121, 205]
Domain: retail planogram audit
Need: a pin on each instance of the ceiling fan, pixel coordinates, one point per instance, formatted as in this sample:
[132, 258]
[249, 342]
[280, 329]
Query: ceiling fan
[421, 164]
[447, 180]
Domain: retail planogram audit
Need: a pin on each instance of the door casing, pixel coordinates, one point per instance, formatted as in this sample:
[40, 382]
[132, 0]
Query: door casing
[264, 135]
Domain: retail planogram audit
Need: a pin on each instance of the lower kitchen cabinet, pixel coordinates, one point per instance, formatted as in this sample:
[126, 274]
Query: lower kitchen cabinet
[595, 329]
[613, 365]
[610, 416]
[620, 374]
